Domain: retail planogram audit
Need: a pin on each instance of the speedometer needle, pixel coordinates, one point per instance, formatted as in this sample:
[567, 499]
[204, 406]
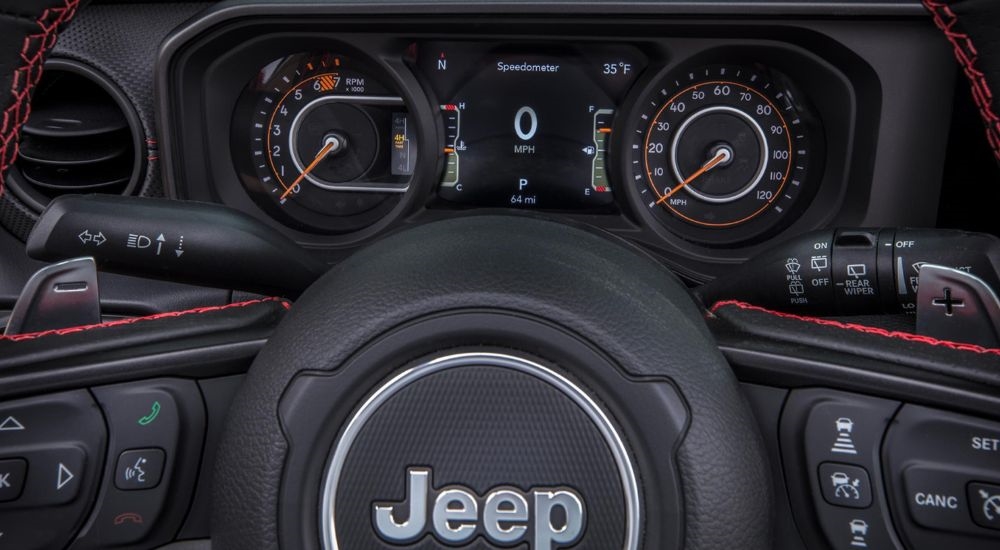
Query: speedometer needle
[330, 144]
[722, 156]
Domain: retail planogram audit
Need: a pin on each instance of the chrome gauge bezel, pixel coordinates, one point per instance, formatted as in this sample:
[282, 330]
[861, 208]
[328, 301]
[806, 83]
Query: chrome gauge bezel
[770, 200]
[295, 196]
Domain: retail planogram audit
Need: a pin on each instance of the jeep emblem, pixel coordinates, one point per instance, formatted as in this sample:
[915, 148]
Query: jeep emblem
[546, 518]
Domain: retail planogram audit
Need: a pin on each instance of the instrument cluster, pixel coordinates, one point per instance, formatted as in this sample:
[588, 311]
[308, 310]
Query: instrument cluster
[700, 151]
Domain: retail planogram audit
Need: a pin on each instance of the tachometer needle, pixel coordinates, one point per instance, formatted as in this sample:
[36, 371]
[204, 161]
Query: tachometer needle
[330, 144]
[722, 156]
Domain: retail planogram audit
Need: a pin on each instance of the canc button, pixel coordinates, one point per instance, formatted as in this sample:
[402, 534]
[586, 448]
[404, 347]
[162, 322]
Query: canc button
[936, 499]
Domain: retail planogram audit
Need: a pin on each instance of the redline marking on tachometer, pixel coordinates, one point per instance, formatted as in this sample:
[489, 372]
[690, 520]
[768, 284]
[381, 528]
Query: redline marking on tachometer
[326, 83]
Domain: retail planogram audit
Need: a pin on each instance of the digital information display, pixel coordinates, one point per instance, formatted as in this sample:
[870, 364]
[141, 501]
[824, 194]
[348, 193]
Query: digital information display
[527, 126]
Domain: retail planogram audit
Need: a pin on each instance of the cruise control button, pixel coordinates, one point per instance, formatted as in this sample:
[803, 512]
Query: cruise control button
[984, 501]
[932, 458]
[937, 499]
[845, 485]
[139, 469]
[12, 472]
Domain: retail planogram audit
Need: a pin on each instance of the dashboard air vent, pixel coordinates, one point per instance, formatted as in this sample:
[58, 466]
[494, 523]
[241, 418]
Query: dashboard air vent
[82, 137]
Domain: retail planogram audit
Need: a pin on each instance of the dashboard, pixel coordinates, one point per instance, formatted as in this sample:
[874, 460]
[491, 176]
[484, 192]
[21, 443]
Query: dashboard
[480, 204]
[702, 141]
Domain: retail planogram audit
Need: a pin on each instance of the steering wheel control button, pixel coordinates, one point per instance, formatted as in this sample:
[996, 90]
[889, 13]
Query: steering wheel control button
[943, 469]
[139, 469]
[984, 501]
[51, 455]
[54, 476]
[845, 485]
[12, 472]
[156, 431]
[936, 498]
[831, 443]
[840, 427]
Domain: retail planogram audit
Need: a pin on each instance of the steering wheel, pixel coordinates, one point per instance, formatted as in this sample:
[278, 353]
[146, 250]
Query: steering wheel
[485, 382]
[492, 381]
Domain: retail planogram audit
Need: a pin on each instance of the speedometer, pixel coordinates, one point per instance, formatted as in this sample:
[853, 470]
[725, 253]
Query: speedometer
[720, 154]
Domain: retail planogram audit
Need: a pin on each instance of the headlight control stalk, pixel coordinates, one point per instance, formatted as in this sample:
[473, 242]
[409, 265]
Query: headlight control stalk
[947, 278]
[181, 241]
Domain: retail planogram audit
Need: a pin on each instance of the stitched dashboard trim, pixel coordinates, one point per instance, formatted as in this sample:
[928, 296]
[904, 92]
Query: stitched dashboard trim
[132, 320]
[965, 52]
[33, 52]
[895, 334]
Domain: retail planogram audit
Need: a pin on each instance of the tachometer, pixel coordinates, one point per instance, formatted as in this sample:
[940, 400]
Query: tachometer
[330, 147]
[720, 154]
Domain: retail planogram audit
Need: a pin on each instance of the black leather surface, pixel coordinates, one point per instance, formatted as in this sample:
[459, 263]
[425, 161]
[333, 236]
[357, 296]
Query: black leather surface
[28, 31]
[875, 342]
[122, 42]
[632, 308]
[179, 330]
[973, 28]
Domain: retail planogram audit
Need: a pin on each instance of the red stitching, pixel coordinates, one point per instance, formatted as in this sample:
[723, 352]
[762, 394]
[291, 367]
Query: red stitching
[909, 337]
[967, 55]
[132, 320]
[33, 53]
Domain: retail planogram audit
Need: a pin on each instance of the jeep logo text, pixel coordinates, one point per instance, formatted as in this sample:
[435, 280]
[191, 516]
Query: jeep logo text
[546, 518]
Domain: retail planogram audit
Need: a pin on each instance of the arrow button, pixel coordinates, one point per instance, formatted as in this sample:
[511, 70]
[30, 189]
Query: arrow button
[11, 424]
[63, 477]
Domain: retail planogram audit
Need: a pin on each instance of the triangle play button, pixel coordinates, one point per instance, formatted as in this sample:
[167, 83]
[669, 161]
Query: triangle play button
[64, 476]
[10, 424]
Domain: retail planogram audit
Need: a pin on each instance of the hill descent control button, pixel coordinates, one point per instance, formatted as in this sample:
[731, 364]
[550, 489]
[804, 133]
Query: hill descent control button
[845, 485]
